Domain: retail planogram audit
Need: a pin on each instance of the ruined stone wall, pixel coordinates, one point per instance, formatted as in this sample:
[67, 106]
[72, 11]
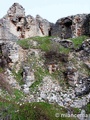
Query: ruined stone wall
[23, 26]
[72, 26]
[15, 25]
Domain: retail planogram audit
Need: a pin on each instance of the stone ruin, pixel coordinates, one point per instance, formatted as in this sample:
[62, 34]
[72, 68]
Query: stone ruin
[72, 26]
[15, 25]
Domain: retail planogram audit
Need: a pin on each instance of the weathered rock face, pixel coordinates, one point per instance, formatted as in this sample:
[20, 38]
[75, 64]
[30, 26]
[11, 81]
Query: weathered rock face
[5, 33]
[36, 26]
[11, 55]
[28, 76]
[16, 11]
[17, 24]
[86, 45]
[28, 79]
[72, 75]
[72, 26]
[84, 51]
[13, 21]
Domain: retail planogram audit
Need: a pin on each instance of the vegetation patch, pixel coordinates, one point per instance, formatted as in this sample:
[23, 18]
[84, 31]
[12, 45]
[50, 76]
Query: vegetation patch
[24, 43]
[32, 111]
[44, 43]
[1, 70]
[78, 40]
[39, 74]
[87, 108]
[18, 76]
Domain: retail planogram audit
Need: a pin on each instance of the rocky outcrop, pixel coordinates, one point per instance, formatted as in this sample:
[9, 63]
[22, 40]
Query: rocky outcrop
[65, 42]
[36, 26]
[54, 75]
[11, 55]
[5, 33]
[86, 46]
[28, 78]
[18, 25]
[72, 26]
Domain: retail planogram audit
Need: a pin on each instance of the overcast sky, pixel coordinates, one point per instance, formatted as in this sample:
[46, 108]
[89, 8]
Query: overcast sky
[51, 10]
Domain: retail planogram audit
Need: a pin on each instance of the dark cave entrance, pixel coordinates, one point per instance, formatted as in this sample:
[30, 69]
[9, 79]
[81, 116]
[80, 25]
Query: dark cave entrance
[67, 24]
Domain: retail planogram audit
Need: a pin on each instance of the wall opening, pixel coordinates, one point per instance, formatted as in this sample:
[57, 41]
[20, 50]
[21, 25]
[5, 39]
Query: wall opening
[68, 23]
[49, 32]
[19, 19]
[19, 29]
[68, 32]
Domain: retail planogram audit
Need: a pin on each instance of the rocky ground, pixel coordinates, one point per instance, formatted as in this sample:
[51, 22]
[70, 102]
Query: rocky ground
[46, 69]
[42, 77]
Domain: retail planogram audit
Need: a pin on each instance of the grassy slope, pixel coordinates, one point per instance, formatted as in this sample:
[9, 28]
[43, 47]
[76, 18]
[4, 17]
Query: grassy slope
[32, 111]
[35, 111]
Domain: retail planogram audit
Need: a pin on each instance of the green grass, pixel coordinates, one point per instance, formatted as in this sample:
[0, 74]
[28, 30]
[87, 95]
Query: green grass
[44, 43]
[78, 41]
[1, 70]
[24, 43]
[87, 108]
[76, 111]
[18, 95]
[32, 111]
[39, 74]
[18, 76]
[64, 50]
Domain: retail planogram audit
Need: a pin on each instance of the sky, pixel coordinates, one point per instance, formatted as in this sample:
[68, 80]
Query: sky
[52, 10]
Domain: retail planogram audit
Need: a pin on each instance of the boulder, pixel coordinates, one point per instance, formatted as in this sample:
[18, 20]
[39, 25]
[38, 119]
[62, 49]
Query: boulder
[28, 76]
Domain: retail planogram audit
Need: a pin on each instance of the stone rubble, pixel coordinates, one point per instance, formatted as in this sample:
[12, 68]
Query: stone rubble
[49, 90]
